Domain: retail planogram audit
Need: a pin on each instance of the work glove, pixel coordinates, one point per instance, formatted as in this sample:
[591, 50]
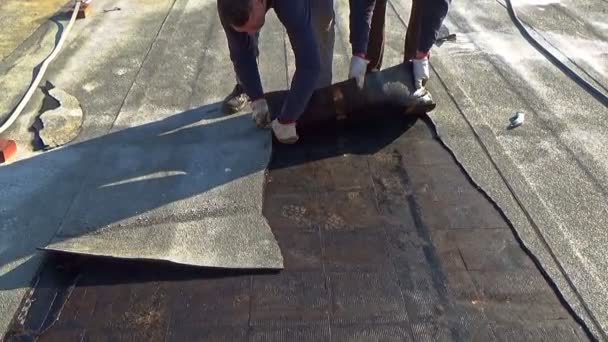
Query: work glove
[358, 67]
[285, 133]
[260, 113]
[421, 72]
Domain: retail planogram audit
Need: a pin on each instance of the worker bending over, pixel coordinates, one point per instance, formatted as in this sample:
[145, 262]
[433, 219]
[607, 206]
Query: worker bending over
[242, 21]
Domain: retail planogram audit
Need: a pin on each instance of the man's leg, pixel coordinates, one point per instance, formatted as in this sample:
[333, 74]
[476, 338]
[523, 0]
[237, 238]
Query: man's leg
[323, 22]
[433, 14]
[412, 35]
[425, 21]
[375, 47]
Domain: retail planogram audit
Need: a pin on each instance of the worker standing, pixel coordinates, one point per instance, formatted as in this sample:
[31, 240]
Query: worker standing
[300, 19]
[371, 15]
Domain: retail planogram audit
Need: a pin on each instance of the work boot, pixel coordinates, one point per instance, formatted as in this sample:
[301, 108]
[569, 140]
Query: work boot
[235, 101]
[285, 133]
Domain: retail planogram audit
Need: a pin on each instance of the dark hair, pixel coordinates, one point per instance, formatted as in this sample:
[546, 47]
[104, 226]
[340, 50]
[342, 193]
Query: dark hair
[234, 12]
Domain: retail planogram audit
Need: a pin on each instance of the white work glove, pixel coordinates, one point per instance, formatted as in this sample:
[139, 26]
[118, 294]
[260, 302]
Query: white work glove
[358, 68]
[260, 113]
[421, 72]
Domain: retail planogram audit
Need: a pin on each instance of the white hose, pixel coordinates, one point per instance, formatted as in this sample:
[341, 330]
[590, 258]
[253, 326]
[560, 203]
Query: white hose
[26, 98]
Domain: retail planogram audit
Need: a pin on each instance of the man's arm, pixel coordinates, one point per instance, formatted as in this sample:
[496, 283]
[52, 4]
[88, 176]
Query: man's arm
[243, 49]
[295, 16]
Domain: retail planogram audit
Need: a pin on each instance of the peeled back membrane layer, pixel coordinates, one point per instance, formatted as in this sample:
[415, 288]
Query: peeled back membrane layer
[184, 190]
[189, 189]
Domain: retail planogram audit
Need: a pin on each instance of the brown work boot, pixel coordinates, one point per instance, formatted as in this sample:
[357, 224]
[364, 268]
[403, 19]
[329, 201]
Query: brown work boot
[235, 101]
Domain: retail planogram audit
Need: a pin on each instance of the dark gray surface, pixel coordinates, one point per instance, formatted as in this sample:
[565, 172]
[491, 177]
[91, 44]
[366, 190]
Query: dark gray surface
[354, 210]
[554, 164]
[103, 59]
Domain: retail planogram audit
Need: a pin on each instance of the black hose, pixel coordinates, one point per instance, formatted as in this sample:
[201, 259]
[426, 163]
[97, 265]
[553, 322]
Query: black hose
[583, 83]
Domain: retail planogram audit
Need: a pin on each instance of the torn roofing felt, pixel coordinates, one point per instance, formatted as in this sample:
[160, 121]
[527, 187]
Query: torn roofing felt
[180, 190]
[189, 188]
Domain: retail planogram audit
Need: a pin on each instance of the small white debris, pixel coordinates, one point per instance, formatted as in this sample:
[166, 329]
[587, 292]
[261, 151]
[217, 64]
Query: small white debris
[120, 71]
[517, 120]
[227, 170]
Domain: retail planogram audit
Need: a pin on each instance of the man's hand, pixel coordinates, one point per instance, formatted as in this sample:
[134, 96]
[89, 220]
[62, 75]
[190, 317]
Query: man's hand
[358, 67]
[260, 113]
[421, 71]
